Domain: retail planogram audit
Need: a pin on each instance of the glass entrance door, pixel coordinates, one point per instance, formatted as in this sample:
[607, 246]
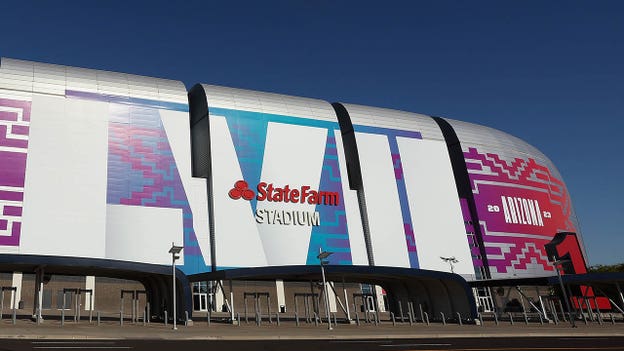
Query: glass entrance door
[200, 296]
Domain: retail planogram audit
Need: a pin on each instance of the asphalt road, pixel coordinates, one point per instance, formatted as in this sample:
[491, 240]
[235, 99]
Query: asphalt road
[451, 344]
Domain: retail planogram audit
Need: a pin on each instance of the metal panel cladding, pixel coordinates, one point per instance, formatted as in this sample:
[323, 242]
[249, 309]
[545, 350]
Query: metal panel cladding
[520, 198]
[100, 166]
[276, 176]
[412, 211]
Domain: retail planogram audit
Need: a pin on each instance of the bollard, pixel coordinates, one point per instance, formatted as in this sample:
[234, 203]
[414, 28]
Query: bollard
[166, 319]
[357, 319]
[14, 316]
[599, 317]
[410, 309]
[392, 317]
[459, 321]
[98, 318]
[62, 317]
[208, 317]
[511, 318]
[443, 318]
[427, 318]
[555, 317]
[144, 320]
[238, 321]
[481, 319]
[526, 318]
[296, 319]
[277, 318]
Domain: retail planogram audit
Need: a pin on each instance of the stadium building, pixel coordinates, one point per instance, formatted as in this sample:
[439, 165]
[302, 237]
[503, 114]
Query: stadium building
[101, 172]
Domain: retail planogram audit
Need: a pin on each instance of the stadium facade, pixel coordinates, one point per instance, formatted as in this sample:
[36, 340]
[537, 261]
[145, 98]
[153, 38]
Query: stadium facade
[102, 171]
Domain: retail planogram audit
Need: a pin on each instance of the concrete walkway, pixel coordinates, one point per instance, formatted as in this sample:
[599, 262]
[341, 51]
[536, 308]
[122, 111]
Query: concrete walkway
[52, 329]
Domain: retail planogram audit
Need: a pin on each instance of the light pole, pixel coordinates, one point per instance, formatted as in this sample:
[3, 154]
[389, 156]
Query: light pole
[322, 256]
[174, 251]
[450, 261]
[557, 264]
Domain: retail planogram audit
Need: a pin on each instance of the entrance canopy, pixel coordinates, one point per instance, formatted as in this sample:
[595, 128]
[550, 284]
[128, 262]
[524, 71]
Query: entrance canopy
[436, 291]
[155, 278]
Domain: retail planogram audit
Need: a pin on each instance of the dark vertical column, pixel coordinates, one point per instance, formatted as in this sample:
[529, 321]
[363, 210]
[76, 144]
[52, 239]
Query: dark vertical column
[201, 160]
[354, 172]
[462, 181]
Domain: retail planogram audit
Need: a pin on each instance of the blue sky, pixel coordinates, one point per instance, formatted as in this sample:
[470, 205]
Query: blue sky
[549, 72]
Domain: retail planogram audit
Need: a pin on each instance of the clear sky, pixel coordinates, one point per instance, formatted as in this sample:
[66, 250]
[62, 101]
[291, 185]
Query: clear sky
[548, 72]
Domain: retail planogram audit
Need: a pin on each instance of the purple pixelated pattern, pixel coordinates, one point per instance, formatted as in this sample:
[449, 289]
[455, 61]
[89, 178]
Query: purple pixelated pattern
[492, 178]
[14, 128]
[142, 171]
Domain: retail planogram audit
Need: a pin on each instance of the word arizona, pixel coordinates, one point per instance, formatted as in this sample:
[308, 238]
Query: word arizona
[522, 211]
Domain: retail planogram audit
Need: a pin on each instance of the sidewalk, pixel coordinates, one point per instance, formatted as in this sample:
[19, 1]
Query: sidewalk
[52, 329]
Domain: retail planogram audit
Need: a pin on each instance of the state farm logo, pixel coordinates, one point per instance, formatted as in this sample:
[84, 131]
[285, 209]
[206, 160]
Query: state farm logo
[271, 193]
[301, 195]
[241, 189]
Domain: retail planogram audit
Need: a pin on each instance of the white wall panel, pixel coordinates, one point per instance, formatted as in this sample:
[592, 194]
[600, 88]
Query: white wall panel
[143, 234]
[258, 101]
[65, 197]
[436, 214]
[382, 201]
[176, 125]
[394, 119]
[293, 155]
[238, 243]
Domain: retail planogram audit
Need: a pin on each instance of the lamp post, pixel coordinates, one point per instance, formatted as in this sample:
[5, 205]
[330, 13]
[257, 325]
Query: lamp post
[450, 261]
[174, 251]
[557, 264]
[322, 256]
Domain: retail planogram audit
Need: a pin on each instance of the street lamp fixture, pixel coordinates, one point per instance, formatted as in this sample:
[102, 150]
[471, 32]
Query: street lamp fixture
[322, 256]
[450, 260]
[174, 251]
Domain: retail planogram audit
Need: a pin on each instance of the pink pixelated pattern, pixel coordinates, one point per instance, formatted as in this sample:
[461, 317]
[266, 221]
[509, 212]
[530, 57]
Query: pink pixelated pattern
[14, 127]
[517, 247]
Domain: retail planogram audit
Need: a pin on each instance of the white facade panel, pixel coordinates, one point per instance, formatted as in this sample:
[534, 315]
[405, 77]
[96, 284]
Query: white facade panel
[394, 119]
[238, 242]
[65, 201]
[293, 156]
[255, 101]
[178, 133]
[382, 201]
[143, 234]
[436, 214]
